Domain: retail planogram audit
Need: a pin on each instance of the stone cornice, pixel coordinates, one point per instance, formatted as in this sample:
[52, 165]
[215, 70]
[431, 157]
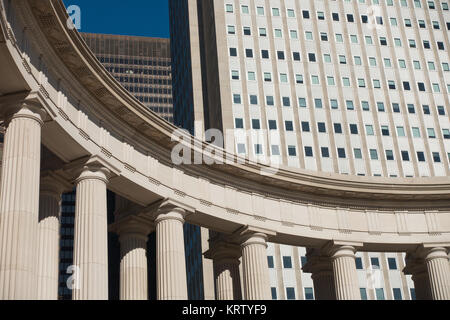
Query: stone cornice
[148, 128]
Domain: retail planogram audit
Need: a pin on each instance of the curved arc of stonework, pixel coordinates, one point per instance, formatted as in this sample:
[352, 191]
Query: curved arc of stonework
[98, 117]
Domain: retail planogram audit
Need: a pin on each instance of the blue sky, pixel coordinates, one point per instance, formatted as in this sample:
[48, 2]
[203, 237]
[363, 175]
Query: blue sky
[148, 18]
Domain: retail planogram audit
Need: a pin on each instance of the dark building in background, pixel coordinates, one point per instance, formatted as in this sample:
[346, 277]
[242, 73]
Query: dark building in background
[142, 65]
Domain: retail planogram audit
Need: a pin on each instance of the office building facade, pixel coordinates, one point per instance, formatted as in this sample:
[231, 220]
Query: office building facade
[358, 88]
[141, 64]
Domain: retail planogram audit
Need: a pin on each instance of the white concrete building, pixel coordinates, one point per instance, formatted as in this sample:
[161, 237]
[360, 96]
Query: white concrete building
[357, 88]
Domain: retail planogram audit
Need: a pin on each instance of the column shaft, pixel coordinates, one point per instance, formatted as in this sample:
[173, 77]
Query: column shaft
[48, 243]
[345, 276]
[91, 238]
[255, 268]
[133, 267]
[439, 273]
[19, 206]
[228, 281]
[170, 256]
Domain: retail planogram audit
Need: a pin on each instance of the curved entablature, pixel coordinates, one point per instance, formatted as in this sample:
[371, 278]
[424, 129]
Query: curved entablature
[92, 115]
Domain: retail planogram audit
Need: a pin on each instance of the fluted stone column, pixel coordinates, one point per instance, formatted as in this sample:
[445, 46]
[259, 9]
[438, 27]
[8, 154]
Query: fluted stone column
[48, 237]
[436, 260]
[91, 235]
[321, 268]
[226, 263]
[344, 272]
[19, 203]
[133, 237]
[170, 254]
[255, 268]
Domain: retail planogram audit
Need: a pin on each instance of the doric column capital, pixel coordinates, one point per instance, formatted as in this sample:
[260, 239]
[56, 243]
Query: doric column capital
[94, 167]
[425, 252]
[337, 249]
[134, 227]
[224, 252]
[317, 263]
[168, 209]
[249, 235]
[23, 105]
[436, 253]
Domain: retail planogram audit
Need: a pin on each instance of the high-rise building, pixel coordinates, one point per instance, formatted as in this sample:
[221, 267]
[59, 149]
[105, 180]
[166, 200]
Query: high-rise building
[358, 88]
[142, 65]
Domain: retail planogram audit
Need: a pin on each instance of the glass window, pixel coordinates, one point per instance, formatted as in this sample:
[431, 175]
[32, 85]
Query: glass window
[389, 155]
[365, 105]
[239, 123]
[436, 157]
[292, 152]
[302, 102]
[413, 293]
[431, 133]
[358, 155]
[369, 130]
[363, 293]
[309, 294]
[274, 293]
[309, 152]
[315, 80]
[375, 262]
[405, 155]
[256, 124]
[272, 125]
[289, 125]
[380, 293]
[373, 154]
[392, 263]
[334, 104]
[290, 293]
[341, 153]
[258, 149]
[359, 263]
[305, 126]
[325, 152]
[287, 262]
[270, 262]
[275, 150]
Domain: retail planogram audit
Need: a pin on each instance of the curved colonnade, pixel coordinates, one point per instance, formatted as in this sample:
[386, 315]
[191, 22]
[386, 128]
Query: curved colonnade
[54, 92]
